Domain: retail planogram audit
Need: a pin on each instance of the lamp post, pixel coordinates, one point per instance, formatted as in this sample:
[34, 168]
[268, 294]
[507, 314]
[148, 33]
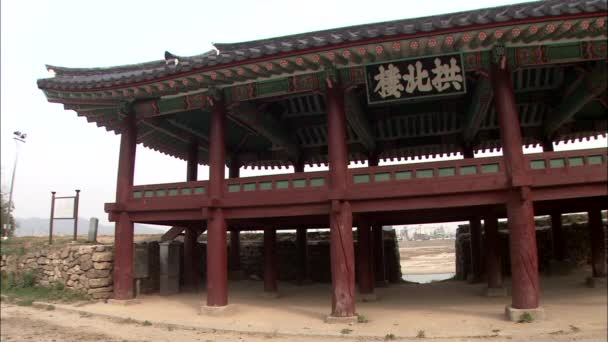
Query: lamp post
[18, 137]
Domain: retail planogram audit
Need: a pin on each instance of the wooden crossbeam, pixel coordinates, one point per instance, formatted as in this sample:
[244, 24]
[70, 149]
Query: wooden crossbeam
[355, 116]
[266, 126]
[171, 234]
[593, 84]
[478, 109]
[203, 138]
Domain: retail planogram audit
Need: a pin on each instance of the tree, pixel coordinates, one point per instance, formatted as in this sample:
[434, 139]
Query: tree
[7, 221]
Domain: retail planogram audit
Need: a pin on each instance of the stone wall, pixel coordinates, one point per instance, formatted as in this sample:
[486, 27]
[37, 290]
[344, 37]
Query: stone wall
[576, 239]
[88, 268]
[252, 258]
[85, 268]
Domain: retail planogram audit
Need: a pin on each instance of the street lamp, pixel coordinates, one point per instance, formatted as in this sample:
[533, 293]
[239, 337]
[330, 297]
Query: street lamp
[18, 137]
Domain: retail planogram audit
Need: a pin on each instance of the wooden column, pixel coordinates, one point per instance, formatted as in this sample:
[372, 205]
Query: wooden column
[379, 260]
[270, 261]
[192, 162]
[365, 257]
[191, 280]
[235, 250]
[493, 259]
[598, 243]
[379, 255]
[302, 255]
[301, 240]
[547, 145]
[474, 232]
[476, 256]
[557, 237]
[217, 261]
[234, 170]
[235, 234]
[123, 236]
[341, 245]
[190, 259]
[520, 213]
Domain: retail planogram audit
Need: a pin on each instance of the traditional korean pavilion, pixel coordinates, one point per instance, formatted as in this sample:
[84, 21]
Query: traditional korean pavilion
[455, 84]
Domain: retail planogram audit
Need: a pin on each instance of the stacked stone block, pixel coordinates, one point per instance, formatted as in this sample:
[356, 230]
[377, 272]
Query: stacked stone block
[85, 268]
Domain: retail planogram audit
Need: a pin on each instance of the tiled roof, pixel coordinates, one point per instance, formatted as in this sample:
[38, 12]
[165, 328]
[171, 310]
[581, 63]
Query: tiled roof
[89, 78]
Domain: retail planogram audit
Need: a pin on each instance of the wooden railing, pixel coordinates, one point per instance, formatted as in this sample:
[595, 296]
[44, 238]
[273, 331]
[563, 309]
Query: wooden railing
[415, 172]
[292, 181]
[567, 159]
[170, 190]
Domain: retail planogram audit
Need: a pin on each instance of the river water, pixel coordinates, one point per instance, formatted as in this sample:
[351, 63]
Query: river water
[427, 278]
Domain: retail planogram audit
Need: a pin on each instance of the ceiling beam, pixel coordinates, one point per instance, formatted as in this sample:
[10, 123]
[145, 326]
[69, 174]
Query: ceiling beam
[265, 125]
[356, 118]
[203, 138]
[478, 109]
[593, 84]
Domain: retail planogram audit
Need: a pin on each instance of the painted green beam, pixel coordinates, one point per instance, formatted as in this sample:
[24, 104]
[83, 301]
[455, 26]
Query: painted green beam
[593, 84]
[478, 109]
[355, 116]
[265, 125]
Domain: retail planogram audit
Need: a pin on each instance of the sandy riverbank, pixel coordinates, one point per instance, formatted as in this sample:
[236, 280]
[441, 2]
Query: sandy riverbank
[427, 257]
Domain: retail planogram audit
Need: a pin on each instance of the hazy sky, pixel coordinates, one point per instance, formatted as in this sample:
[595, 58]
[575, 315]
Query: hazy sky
[64, 152]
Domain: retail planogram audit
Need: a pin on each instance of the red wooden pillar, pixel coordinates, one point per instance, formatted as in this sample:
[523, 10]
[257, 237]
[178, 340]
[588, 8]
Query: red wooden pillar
[547, 145]
[190, 259]
[341, 245]
[557, 234]
[301, 239]
[235, 250]
[217, 259]
[234, 170]
[365, 256]
[302, 255]
[235, 234]
[476, 257]
[379, 260]
[270, 261]
[493, 259]
[598, 243]
[379, 255]
[123, 237]
[474, 232]
[190, 239]
[520, 213]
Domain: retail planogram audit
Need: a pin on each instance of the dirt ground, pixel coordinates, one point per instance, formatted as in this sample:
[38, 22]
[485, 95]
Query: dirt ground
[450, 310]
[31, 324]
[427, 257]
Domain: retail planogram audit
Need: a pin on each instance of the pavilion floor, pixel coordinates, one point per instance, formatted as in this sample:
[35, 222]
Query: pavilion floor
[444, 309]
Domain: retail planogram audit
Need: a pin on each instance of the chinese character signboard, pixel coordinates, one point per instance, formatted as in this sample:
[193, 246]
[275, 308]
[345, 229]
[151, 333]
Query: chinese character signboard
[415, 78]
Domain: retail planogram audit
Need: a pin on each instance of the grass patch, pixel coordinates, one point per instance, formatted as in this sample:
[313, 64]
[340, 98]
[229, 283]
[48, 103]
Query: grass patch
[526, 317]
[23, 287]
[362, 318]
[421, 334]
[389, 337]
[50, 307]
[25, 302]
[147, 323]
[346, 331]
[128, 320]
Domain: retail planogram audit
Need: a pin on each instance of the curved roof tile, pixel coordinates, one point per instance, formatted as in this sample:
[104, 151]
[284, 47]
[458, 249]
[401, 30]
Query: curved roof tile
[81, 78]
